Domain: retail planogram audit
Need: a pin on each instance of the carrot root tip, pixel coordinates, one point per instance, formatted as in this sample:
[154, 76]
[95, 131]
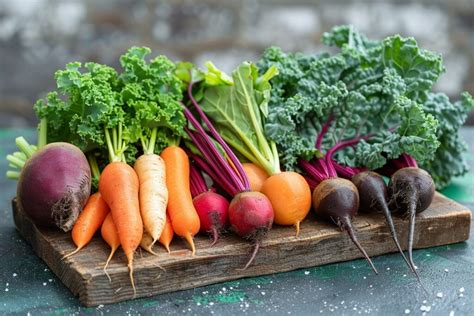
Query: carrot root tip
[71, 253]
[130, 268]
[190, 241]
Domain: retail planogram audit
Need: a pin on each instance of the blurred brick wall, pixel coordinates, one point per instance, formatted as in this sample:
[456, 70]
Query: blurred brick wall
[38, 37]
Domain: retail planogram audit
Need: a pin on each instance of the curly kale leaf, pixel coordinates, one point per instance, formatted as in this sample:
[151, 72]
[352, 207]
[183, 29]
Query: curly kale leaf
[88, 100]
[151, 94]
[385, 84]
[448, 161]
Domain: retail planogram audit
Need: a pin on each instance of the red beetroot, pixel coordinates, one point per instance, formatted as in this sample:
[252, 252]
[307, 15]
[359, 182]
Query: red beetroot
[212, 211]
[251, 217]
[250, 213]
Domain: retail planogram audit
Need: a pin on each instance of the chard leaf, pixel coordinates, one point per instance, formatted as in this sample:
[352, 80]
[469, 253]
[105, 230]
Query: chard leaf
[236, 112]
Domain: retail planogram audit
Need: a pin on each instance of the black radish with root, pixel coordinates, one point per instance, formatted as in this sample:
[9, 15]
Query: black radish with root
[411, 191]
[338, 199]
[374, 199]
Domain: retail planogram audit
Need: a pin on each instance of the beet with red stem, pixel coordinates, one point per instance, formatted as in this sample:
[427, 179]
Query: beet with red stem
[212, 208]
[250, 213]
[335, 199]
[373, 199]
[372, 191]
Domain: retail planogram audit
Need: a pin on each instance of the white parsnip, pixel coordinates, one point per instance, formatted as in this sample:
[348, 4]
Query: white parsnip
[153, 193]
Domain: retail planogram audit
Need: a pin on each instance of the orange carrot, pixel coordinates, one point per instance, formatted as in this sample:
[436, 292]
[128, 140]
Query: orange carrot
[110, 235]
[119, 185]
[183, 215]
[88, 222]
[167, 234]
[256, 175]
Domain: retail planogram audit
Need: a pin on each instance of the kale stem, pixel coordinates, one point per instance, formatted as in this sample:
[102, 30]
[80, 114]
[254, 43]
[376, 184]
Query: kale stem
[152, 141]
[94, 166]
[114, 139]
[110, 147]
[120, 140]
[42, 133]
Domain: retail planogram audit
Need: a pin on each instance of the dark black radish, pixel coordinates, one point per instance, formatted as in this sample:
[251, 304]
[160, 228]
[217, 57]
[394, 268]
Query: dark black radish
[374, 199]
[411, 191]
[337, 199]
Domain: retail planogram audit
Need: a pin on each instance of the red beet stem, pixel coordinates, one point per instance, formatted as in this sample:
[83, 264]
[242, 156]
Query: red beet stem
[323, 132]
[240, 169]
[222, 163]
[223, 182]
[197, 183]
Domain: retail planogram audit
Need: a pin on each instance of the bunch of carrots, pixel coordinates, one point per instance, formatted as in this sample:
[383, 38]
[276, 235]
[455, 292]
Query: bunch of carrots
[141, 205]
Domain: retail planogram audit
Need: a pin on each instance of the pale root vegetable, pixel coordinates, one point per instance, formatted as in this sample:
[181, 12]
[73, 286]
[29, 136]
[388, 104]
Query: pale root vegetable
[290, 196]
[256, 175]
[110, 235]
[119, 186]
[167, 234]
[89, 221]
[151, 172]
[147, 242]
[181, 210]
[251, 217]
[54, 185]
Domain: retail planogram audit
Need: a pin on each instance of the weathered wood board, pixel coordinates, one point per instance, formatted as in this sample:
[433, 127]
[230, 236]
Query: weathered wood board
[319, 243]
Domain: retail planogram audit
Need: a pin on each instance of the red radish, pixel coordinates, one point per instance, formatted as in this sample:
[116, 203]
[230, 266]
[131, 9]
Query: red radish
[250, 213]
[212, 208]
[54, 185]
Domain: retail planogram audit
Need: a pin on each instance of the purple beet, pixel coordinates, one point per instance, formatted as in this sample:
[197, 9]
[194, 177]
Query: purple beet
[412, 190]
[54, 185]
[337, 199]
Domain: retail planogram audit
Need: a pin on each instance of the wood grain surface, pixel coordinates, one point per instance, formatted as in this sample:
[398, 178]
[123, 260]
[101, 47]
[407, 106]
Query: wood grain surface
[444, 222]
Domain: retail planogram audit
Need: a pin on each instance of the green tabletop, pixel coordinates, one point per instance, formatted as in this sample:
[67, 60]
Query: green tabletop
[349, 288]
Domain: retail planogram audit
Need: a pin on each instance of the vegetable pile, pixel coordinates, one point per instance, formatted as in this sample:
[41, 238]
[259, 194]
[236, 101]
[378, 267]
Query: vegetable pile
[157, 148]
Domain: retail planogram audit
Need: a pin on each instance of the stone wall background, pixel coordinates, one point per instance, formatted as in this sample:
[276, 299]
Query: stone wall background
[37, 37]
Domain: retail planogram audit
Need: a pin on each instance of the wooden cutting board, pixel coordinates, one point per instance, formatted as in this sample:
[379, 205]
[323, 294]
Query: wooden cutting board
[319, 243]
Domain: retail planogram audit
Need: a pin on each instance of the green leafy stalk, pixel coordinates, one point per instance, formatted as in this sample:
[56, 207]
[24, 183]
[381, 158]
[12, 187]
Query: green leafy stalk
[152, 94]
[42, 133]
[13, 175]
[239, 111]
